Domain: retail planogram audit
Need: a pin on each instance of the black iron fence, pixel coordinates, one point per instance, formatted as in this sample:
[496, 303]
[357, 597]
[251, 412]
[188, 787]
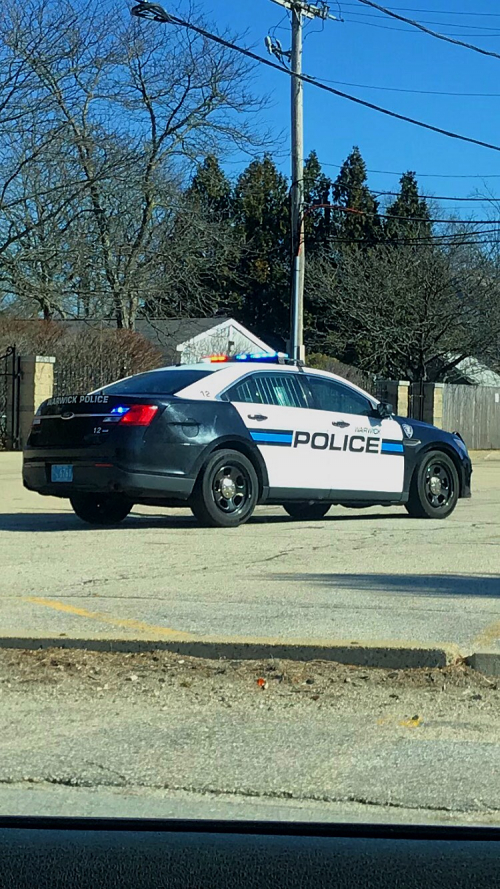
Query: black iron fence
[10, 377]
[74, 378]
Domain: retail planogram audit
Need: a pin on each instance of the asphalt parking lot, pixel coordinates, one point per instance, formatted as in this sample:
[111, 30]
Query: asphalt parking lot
[355, 575]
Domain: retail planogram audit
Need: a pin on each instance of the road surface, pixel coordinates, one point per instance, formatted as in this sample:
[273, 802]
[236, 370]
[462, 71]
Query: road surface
[158, 735]
[355, 575]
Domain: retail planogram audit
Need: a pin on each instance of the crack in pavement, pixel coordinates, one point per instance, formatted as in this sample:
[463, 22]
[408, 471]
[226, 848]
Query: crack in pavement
[244, 793]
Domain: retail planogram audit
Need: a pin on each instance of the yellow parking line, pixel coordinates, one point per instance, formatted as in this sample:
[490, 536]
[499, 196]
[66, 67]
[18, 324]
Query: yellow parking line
[165, 632]
[489, 635]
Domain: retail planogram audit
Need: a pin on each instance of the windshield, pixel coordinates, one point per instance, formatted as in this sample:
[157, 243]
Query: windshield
[249, 411]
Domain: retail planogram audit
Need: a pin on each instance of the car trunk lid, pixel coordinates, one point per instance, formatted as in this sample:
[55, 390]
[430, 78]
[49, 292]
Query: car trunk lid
[90, 421]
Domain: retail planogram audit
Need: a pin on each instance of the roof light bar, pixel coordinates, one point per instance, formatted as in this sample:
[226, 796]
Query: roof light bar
[252, 357]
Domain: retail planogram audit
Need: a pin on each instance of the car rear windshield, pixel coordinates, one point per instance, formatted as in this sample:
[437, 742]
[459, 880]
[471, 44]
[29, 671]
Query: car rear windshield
[157, 382]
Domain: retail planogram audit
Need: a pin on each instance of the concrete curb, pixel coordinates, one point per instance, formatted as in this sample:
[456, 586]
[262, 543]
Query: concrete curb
[377, 654]
[487, 662]
[485, 456]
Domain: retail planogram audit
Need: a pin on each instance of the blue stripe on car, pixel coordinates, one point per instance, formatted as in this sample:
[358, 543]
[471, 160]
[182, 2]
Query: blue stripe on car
[283, 438]
[392, 447]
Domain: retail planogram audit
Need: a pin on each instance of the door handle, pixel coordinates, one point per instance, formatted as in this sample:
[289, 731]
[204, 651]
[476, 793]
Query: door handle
[259, 417]
[341, 424]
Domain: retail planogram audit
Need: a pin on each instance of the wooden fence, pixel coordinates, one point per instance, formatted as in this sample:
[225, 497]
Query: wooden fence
[474, 411]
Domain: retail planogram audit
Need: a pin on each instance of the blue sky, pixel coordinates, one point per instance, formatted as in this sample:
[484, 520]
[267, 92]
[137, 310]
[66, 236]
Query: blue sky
[379, 51]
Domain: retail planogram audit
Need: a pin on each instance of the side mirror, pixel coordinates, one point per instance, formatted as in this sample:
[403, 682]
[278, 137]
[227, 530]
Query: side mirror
[384, 410]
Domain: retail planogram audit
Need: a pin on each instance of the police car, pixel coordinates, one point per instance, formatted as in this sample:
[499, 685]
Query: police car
[225, 435]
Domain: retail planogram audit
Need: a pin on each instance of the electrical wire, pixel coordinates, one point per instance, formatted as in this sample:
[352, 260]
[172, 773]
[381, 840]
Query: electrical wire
[432, 197]
[397, 89]
[320, 85]
[356, 212]
[408, 243]
[415, 24]
[436, 11]
[375, 15]
[412, 30]
[427, 175]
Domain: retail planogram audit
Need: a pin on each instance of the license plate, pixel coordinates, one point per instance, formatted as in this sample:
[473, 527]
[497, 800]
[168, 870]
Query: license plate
[62, 473]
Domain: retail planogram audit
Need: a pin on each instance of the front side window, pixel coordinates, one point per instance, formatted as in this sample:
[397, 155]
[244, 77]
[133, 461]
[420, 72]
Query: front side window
[282, 390]
[329, 395]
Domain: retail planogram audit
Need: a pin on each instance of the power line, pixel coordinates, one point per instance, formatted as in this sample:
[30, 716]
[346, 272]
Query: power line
[318, 83]
[436, 11]
[397, 89]
[412, 31]
[433, 197]
[375, 15]
[410, 242]
[415, 24]
[427, 175]
[416, 218]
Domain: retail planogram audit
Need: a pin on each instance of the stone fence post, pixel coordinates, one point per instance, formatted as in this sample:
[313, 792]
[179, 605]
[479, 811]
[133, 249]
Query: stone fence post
[35, 386]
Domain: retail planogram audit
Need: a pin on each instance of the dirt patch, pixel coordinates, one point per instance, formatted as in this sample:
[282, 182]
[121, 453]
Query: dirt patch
[147, 672]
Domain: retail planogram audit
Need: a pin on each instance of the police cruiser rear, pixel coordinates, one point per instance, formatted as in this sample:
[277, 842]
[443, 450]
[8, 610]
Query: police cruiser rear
[225, 435]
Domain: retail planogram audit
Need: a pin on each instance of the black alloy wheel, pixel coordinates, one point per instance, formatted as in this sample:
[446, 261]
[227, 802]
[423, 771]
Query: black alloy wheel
[434, 489]
[226, 492]
[101, 509]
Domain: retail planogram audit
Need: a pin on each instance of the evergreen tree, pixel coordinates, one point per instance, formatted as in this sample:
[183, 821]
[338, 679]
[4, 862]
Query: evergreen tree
[317, 191]
[409, 214]
[262, 217]
[211, 189]
[350, 190]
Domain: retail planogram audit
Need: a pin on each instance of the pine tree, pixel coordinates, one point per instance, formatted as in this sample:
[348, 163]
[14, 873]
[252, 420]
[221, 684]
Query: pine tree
[211, 189]
[409, 214]
[262, 216]
[350, 190]
[317, 192]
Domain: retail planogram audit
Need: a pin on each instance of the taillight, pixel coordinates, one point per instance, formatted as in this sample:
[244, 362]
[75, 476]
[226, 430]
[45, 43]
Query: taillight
[138, 415]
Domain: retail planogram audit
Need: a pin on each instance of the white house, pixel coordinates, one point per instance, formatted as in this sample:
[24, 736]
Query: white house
[227, 338]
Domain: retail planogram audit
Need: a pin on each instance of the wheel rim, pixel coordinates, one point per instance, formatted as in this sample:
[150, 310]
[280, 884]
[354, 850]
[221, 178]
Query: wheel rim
[231, 489]
[439, 486]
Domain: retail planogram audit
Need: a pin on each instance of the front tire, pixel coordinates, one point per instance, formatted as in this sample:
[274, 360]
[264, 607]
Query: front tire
[226, 492]
[307, 511]
[101, 509]
[434, 488]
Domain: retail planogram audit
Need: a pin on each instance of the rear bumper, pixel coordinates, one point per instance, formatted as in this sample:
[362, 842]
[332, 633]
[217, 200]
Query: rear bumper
[99, 478]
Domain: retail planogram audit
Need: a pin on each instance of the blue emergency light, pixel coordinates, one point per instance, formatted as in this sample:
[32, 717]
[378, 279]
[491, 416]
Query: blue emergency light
[253, 357]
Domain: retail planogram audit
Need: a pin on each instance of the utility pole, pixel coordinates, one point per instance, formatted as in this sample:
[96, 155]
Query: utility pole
[298, 229]
[299, 10]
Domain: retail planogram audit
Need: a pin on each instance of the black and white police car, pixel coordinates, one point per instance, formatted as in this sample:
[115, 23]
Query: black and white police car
[222, 436]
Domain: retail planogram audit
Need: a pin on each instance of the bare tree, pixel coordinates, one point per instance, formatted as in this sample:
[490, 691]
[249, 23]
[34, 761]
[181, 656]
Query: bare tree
[116, 112]
[408, 312]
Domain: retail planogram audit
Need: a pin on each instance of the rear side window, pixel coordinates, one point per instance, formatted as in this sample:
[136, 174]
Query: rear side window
[331, 396]
[282, 390]
[157, 382]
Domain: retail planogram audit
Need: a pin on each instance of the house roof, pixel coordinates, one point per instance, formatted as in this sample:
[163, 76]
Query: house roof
[478, 373]
[167, 334]
[219, 328]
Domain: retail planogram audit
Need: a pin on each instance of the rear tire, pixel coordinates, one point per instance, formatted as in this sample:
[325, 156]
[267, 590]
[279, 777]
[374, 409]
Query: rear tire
[434, 488]
[101, 509]
[307, 511]
[226, 491]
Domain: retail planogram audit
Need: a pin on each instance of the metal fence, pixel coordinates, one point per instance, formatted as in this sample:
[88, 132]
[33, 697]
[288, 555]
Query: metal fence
[10, 377]
[73, 378]
[475, 412]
